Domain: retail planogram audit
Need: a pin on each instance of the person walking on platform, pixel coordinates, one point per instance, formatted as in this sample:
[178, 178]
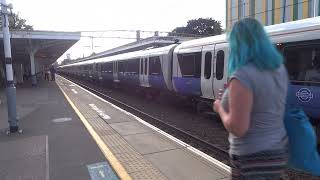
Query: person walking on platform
[53, 71]
[253, 105]
[46, 74]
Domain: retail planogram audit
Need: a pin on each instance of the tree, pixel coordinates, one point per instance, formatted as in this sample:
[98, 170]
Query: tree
[18, 23]
[201, 27]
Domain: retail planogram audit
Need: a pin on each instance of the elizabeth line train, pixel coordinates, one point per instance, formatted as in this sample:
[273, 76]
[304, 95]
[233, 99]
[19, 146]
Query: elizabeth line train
[197, 69]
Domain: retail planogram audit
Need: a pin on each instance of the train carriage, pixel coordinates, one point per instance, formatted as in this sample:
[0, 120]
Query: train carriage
[146, 68]
[299, 43]
[198, 68]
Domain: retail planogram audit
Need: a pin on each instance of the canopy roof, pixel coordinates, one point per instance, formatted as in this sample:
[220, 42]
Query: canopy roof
[48, 46]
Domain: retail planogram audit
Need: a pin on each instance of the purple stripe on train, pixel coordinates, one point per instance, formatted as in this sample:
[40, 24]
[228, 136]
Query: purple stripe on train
[307, 97]
[188, 85]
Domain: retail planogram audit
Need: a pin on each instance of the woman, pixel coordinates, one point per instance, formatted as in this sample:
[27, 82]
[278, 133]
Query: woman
[252, 107]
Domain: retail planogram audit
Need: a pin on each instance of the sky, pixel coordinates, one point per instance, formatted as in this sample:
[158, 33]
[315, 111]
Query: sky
[93, 15]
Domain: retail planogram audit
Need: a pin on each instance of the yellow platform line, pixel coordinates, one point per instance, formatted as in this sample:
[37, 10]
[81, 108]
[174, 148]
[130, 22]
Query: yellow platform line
[116, 165]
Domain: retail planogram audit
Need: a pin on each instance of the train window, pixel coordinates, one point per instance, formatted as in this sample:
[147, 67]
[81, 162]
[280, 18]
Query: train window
[190, 64]
[121, 67]
[104, 67]
[124, 66]
[133, 66]
[99, 67]
[154, 65]
[207, 65]
[107, 67]
[110, 66]
[220, 65]
[303, 63]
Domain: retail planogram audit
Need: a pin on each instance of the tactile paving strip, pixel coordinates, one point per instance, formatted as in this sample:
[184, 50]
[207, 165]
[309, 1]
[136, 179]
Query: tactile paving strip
[134, 163]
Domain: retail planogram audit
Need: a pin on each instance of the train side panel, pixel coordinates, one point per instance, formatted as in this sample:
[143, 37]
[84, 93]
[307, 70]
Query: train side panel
[156, 76]
[186, 71]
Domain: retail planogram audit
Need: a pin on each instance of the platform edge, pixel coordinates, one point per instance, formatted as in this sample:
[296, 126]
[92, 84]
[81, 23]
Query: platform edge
[116, 165]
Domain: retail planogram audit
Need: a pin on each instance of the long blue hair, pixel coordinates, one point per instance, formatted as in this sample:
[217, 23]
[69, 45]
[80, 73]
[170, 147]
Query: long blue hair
[249, 43]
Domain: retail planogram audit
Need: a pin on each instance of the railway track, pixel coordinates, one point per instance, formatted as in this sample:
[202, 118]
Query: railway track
[213, 150]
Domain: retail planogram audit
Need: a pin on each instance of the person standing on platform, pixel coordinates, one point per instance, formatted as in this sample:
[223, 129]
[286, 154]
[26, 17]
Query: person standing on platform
[52, 72]
[46, 74]
[253, 105]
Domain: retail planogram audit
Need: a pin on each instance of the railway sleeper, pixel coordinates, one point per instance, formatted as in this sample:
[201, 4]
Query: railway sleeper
[204, 106]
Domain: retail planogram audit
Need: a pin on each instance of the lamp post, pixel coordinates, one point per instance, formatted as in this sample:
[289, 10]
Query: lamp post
[10, 88]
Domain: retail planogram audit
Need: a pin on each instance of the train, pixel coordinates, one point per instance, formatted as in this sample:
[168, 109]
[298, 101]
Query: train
[197, 69]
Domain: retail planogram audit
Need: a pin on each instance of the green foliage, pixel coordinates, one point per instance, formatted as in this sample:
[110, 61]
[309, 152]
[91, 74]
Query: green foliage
[17, 23]
[201, 27]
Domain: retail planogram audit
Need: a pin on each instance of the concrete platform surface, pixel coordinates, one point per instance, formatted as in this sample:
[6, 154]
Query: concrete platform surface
[69, 133]
[143, 151]
[54, 145]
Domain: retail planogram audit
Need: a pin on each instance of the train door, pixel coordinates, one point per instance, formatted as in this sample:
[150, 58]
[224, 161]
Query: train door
[144, 71]
[207, 75]
[94, 71]
[115, 71]
[99, 71]
[220, 67]
[90, 69]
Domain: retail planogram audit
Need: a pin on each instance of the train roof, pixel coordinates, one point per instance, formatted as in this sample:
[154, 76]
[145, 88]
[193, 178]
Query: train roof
[285, 32]
[136, 54]
[278, 29]
[130, 55]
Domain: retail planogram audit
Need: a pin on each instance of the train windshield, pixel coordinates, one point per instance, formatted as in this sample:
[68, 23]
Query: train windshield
[303, 64]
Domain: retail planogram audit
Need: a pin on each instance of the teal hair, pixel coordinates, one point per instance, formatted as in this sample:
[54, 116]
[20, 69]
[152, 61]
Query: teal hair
[249, 43]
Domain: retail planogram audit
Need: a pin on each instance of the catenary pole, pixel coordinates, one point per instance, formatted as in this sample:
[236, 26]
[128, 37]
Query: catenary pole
[10, 88]
[284, 11]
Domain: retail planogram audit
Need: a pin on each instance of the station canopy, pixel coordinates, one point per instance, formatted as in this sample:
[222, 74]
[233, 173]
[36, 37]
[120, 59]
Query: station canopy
[47, 46]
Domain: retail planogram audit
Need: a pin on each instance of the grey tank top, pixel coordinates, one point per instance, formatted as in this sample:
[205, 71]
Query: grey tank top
[266, 131]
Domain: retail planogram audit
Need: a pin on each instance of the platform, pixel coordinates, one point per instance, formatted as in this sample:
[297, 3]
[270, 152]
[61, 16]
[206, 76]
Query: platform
[70, 132]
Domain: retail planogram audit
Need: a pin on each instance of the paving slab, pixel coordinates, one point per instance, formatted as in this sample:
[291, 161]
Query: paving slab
[148, 143]
[128, 128]
[180, 165]
[117, 120]
[24, 159]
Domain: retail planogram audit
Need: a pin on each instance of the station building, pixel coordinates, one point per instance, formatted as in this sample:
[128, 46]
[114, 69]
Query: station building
[270, 12]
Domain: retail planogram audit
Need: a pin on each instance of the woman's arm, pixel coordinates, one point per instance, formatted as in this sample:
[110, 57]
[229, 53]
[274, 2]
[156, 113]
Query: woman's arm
[237, 120]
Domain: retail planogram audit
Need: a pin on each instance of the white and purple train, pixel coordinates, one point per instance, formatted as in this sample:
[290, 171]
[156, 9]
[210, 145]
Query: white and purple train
[198, 68]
